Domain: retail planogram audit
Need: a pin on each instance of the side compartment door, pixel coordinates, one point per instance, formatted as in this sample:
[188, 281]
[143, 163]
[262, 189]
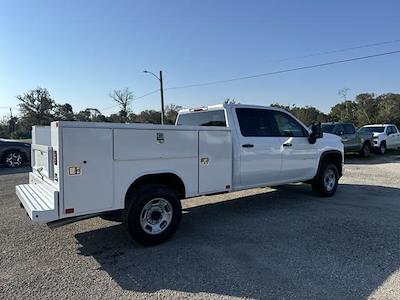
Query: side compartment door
[299, 157]
[88, 173]
[215, 161]
[259, 147]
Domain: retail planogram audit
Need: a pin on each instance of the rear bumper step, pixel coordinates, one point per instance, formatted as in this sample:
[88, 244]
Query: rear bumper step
[40, 201]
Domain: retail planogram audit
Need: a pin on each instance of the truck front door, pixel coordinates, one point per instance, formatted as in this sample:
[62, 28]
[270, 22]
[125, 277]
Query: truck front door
[351, 138]
[260, 148]
[298, 155]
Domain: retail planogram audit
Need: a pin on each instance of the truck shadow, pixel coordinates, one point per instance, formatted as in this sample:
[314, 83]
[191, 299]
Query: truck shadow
[391, 156]
[9, 171]
[283, 243]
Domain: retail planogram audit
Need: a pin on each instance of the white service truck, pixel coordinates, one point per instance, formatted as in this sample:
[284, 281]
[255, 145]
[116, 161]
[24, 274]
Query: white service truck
[143, 171]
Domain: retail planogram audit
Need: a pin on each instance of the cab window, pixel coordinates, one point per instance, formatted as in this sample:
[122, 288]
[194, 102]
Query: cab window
[339, 129]
[288, 126]
[349, 129]
[255, 122]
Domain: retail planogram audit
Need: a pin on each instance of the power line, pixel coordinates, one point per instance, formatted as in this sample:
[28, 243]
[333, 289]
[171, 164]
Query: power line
[340, 50]
[283, 71]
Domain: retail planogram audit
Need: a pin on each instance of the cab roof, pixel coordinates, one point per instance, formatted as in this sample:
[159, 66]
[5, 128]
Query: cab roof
[379, 125]
[224, 106]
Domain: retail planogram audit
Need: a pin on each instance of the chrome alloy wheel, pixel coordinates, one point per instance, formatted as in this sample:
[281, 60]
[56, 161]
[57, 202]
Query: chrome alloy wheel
[329, 180]
[156, 215]
[13, 160]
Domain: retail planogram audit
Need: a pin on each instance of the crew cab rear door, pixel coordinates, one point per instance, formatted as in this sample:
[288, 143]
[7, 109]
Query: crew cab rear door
[259, 148]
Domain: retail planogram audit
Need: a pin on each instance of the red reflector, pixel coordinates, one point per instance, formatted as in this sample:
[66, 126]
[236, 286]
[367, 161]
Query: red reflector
[69, 210]
[55, 157]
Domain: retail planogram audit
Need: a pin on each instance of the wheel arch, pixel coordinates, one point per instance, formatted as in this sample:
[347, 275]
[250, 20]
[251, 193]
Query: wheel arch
[333, 156]
[169, 179]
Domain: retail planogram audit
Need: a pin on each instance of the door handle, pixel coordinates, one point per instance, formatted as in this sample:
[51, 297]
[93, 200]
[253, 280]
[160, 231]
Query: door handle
[287, 144]
[247, 146]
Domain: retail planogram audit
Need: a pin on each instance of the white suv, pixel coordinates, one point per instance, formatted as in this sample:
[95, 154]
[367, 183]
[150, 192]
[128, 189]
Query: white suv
[386, 136]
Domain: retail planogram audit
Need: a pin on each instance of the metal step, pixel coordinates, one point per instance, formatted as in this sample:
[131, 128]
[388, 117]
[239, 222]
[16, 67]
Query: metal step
[40, 201]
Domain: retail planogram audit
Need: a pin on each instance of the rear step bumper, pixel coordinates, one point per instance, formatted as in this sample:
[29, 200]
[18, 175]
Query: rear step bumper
[40, 201]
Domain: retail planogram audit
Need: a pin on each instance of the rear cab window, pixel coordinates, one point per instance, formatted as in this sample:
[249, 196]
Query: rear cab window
[203, 118]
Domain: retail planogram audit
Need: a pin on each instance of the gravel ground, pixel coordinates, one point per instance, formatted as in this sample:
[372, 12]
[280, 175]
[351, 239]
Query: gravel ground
[261, 243]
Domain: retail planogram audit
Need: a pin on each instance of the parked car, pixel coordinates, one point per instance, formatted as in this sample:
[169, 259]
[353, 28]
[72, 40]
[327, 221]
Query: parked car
[143, 170]
[353, 140]
[14, 153]
[386, 136]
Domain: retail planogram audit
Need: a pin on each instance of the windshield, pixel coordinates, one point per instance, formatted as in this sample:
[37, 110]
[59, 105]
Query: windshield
[327, 128]
[373, 129]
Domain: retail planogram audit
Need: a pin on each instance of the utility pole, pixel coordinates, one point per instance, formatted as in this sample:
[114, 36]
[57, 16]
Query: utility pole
[160, 79]
[162, 99]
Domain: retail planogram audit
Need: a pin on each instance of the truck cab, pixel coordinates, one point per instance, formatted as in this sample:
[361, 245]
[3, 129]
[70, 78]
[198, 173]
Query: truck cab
[270, 146]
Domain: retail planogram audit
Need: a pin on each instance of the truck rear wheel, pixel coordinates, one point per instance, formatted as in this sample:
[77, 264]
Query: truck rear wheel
[13, 159]
[326, 181]
[153, 214]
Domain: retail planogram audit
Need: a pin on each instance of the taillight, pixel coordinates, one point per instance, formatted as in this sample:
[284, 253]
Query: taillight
[55, 157]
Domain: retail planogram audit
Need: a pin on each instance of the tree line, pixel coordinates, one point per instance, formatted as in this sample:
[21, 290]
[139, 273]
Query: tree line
[37, 107]
[366, 108]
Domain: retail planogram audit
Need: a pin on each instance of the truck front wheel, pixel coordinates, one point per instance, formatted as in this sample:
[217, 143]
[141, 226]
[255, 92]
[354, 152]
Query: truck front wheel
[366, 150]
[153, 214]
[326, 181]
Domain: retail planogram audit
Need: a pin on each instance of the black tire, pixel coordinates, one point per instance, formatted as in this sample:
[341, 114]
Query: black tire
[319, 183]
[133, 215]
[13, 159]
[366, 150]
[382, 148]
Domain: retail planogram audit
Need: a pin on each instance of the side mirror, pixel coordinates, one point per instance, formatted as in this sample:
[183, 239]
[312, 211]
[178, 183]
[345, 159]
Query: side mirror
[316, 132]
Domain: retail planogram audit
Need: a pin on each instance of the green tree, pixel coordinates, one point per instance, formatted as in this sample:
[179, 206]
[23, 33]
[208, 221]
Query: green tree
[36, 108]
[388, 108]
[64, 112]
[171, 112]
[90, 115]
[149, 116]
[345, 111]
[367, 109]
